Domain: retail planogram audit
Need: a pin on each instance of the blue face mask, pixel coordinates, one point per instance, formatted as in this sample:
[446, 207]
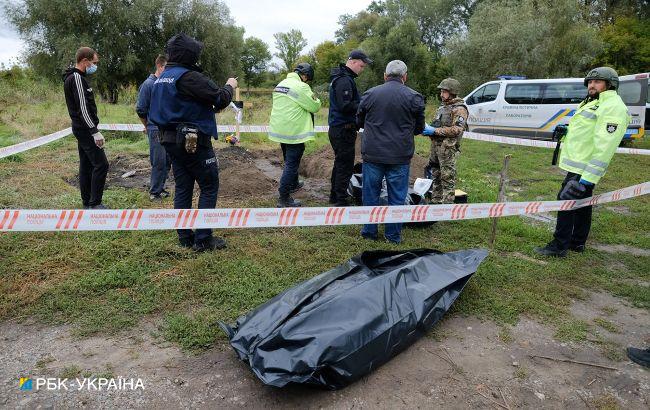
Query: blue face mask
[92, 69]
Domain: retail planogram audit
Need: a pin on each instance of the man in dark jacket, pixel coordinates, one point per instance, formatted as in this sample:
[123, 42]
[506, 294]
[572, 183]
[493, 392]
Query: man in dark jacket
[160, 163]
[344, 101]
[183, 106]
[79, 97]
[390, 114]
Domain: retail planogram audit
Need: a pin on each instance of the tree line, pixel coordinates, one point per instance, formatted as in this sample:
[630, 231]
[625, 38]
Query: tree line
[472, 40]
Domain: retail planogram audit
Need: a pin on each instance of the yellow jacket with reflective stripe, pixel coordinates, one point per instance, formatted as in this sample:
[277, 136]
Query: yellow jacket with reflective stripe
[594, 133]
[291, 116]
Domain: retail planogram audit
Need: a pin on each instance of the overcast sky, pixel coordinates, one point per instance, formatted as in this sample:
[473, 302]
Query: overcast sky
[260, 18]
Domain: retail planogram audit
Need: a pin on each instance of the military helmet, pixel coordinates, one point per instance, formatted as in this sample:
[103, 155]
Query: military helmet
[603, 73]
[305, 69]
[451, 85]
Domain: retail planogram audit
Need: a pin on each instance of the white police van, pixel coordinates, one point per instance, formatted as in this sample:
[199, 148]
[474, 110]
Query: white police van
[533, 108]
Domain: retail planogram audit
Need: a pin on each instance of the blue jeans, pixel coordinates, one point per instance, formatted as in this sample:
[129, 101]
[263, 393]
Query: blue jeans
[292, 155]
[200, 167]
[160, 162]
[397, 184]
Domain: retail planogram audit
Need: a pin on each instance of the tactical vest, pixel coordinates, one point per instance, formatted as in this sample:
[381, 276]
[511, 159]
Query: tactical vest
[444, 115]
[168, 109]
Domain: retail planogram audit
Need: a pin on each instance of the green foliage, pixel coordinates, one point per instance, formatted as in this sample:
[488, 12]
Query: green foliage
[127, 36]
[536, 40]
[255, 58]
[289, 46]
[627, 45]
[326, 56]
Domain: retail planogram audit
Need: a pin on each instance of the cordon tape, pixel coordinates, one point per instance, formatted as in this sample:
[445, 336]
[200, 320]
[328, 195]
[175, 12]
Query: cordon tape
[37, 142]
[158, 219]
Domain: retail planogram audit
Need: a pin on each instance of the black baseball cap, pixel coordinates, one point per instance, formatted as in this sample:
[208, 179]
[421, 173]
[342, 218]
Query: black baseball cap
[359, 55]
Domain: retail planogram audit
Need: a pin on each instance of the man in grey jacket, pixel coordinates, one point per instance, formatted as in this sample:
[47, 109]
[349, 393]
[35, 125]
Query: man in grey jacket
[391, 114]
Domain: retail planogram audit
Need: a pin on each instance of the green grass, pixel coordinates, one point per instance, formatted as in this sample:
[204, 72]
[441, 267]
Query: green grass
[105, 282]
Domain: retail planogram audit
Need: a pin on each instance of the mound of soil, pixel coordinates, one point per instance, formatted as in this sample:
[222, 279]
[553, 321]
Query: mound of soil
[243, 174]
[319, 164]
[240, 178]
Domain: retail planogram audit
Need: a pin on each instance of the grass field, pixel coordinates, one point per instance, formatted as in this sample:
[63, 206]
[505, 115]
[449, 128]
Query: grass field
[104, 282]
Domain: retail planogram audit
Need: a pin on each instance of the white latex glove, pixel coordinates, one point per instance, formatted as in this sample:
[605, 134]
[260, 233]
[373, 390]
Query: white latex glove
[238, 112]
[99, 139]
[232, 82]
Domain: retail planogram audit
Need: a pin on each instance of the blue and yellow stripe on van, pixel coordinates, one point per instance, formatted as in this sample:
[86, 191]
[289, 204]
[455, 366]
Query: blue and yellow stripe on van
[551, 122]
[549, 125]
[634, 133]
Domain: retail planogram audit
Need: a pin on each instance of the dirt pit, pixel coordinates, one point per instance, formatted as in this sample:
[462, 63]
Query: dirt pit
[319, 164]
[245, 174]
[462, 363]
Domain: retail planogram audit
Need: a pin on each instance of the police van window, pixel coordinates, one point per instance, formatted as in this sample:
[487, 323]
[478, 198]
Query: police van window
[563, 93]
[474, 98]
[491, 91]
[524, 93]
[484, 94]
[630, 92]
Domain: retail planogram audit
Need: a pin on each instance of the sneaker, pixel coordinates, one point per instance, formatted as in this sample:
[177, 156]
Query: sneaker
[288, 203]
[297, 187]
[639, 356]
[159, 196]
[211, 244]
[100, 206]
[551, 249]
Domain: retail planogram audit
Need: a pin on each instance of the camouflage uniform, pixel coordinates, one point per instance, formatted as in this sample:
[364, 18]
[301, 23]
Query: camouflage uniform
[450, 123]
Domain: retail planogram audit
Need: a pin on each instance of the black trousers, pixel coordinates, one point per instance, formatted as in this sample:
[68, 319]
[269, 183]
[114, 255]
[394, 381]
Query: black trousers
[93, 167]
[296, 180]
[343, 140]
[572, 227]
[201, 168]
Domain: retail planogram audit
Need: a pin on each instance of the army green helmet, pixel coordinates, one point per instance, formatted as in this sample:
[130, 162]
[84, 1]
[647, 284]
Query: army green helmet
[451, 85]
[603, 73]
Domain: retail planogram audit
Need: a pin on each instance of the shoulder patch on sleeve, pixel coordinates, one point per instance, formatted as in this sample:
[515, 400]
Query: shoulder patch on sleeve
[611, 127]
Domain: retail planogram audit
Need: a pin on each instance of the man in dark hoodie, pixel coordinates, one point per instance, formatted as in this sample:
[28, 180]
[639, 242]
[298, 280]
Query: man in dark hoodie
[79, 97]
[344, 101]
[183, 106]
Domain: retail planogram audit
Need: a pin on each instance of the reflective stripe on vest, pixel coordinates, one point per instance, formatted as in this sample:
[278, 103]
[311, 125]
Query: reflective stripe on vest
[582, 167]
[598, 163]
[588, 114]
[292, 137]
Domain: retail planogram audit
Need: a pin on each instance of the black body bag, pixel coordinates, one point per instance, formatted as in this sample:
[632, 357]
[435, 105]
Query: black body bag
[338, 326]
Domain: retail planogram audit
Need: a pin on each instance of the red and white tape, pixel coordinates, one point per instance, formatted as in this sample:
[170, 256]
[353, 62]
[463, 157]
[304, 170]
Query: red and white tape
[538, 143]
[158, 219]
[27, 145]
[36, 142]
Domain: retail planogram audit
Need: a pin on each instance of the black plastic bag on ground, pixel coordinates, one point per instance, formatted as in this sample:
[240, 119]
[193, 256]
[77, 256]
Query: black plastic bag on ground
[338, 326]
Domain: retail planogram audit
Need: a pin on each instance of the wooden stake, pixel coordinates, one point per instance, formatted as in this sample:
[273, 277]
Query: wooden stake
[237, 122]
[501, 197]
